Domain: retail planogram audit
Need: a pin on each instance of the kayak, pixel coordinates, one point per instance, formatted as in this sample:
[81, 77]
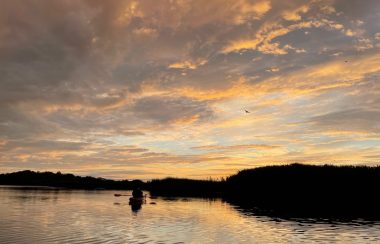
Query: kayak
[136, 200]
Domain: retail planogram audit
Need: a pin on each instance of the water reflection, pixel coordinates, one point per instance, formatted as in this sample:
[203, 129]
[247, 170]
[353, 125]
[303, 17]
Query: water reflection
[51, 216]
[135, 207]
[301, 217]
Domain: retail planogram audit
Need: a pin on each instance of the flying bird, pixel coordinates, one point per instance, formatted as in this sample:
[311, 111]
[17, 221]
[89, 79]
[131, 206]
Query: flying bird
[246, 111]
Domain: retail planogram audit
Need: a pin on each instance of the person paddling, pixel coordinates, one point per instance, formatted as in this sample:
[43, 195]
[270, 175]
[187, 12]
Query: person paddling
[137, 193]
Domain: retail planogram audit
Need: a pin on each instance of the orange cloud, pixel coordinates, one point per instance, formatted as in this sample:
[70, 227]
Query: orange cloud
[263, 38]
[294, 15]
[188, 64]
[237, 147]
[249, 10]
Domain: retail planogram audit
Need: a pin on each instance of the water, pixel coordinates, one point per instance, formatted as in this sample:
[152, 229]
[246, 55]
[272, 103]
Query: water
[40, 215]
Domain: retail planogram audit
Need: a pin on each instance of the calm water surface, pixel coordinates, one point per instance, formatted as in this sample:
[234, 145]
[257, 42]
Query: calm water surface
[36, 215]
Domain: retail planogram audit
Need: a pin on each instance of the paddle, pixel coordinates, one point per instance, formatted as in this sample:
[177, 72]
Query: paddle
[121, 195]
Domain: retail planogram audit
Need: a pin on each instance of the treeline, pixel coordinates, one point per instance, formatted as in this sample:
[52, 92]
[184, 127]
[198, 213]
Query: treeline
[294, 190]
[58, 179]
[185, 187]
[287, 190]
[302, 190]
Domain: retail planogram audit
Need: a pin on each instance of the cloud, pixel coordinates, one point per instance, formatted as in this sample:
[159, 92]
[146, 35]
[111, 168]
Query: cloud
[322, 77]
[43, 145]
[187, 64]
[252, 10]
[19, 124]
[273, 69]
[263, 40]
[363, 44]
[144, 31]
[135, 89]
[166, 110]
[295, 14]
[236, 147]
[362, 120]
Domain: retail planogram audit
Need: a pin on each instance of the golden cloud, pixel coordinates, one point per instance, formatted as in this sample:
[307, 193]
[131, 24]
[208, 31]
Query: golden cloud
[237, 147]
[188, 64]
[294, 15]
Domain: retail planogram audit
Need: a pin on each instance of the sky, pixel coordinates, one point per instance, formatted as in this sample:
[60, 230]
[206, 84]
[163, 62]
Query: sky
[149, 89]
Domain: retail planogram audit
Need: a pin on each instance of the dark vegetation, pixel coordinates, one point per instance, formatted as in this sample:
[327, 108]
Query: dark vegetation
[58, 179]
[306, 190]
[288, 191]
[185, 187]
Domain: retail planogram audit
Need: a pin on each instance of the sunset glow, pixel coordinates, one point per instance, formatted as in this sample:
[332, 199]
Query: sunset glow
[198, 89]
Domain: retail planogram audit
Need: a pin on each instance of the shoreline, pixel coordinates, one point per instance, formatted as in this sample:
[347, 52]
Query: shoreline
[296, 189]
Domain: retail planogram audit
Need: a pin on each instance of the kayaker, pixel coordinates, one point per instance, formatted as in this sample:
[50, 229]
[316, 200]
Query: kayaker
[137, 193]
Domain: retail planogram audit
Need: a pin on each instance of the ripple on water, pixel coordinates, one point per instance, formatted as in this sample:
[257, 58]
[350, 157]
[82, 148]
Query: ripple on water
[45, 216]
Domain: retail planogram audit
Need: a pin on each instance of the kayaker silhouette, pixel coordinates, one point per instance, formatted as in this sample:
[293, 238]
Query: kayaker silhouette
[137, 193]
[136, 200]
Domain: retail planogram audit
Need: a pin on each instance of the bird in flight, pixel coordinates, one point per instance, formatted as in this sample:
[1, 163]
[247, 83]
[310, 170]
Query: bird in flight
[346, 61]
[246, 111]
